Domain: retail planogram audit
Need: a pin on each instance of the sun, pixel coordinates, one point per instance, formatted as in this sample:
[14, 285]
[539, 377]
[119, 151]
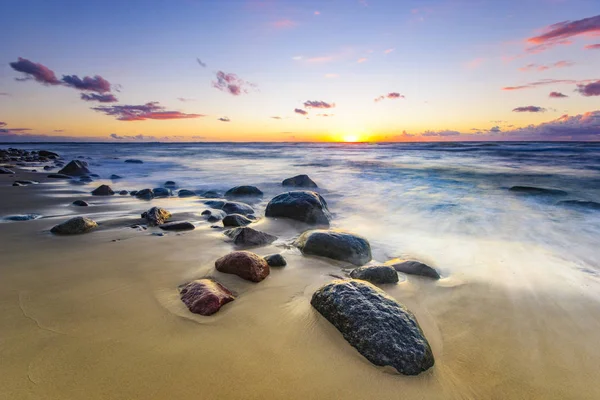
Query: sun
[350, 138]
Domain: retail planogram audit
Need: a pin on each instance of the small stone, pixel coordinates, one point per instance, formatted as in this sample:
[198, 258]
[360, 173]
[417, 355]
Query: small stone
[244, 264]
[103, 190]
[178, 226]
[134, 161]
[115, 177]
[416, 268]
[80, 203]
[205, 296]
[123, 192]
[243, 191]
[299, 181]
[275, 260]
[186, 193]
[375, 274]
[156, 216]
[74, 226]
[145, 194]
[170, 184]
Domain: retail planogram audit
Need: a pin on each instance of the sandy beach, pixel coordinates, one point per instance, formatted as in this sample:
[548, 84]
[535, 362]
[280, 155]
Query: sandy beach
[98, 316]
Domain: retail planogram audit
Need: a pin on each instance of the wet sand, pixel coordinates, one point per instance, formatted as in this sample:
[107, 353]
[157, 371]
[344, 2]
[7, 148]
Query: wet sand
[97, 316]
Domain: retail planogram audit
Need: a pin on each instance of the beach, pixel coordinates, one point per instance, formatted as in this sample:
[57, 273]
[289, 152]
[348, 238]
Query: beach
[515, 314]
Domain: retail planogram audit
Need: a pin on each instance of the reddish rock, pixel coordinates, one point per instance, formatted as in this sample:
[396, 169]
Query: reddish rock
[244, 264]
[205, 296]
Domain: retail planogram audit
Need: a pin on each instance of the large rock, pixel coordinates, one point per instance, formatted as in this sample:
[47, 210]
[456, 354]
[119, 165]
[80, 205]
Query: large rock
[236, 220]
[177, 226]
[300, 205]
[211, 194]
[244, 264]
[243, 191]
[299, 181]
[75, 168]
[384, 331]
[375, 274]
[162, 192]
[48, 154]
[533, 190]
[246, 237]
[416, 268]
[75, 226]
[156, 216]
[80, 203]
[103, 190]
[335, 244]
[205, 296]
[144, 194]
[134, 161]
[186, 193]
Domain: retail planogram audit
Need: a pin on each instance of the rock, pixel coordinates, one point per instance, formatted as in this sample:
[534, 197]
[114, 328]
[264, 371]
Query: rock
[6, 171]
[145, 194]
[205, 296]
[243, 191]
[303, 206]
[18, 184]
[59, 176]
[156, 216]
[48, 154]
[375, 274]
[244, 264]
[133, 193]
[299, 181]
[103, 190]
[22, 217]
[384, 331]
[86, 179]
[214, 215]
[416, 268]
[537, 191]
[235, 207]
[581, 204]
[75, 168]
[158, 234]
[75, 182]
[27, 182]
[215, 203]
[161, 192]
[115, 177]
[80, 203]
[211, 194]
[275, 260]
[245, 237]
[134, 161]
[75, 226]
[236, 220]
[178, 226]
[186, 193]
[47, 168]
[123, 192]
[170, 184]
[334, 244]
[95, 175]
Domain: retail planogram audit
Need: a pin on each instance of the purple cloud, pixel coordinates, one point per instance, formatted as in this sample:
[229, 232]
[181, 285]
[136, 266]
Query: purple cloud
[318, 104]
[102, 98]
[300, 111]
[224, 119]
[557, 95]
[591, 89]
[391, 95]
[231, 83]
[443, 133]
[592, 46]
[533, 109]
[151, 110]
[95, 84]
[136, 137]
[38, 72]
[543, 82]
[4, 94]
[567, 29]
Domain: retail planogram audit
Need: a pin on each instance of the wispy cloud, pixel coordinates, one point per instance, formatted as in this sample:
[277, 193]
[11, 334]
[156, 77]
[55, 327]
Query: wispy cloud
[224, 119]
[318, 104]
[102, 98]
[537, 67]
[362, 60]
[533, 109]
[331, 76]
[284, 23]
[96, 84]
[591, 89]
[231, 83]
[388, 51]
[276, 117]
[185, 99]
[557, 95]
[300, 111]
[592, 46]
[543, 82]
[475, 63]
[442, 133]
[391, 95]
[202, 64]
[4, 94]
[567, 29]
[151, 110]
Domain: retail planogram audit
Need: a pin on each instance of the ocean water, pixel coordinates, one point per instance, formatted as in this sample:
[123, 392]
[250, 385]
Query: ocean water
[447, 204]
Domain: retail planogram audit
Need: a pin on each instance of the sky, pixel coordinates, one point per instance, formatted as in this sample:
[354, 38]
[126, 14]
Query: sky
[249, 70]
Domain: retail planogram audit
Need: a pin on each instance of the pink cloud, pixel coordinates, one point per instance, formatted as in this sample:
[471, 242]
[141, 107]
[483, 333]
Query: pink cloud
[332, 76]
[533, 109]
[567, 29]
[151, 110]
[543, 82]
[318, 104]
[102, 98]
[475, 63]
[558, 64]
[300, 111]
[231, 83]
[36, 71]
[388, 51]
[557, 95]
[362, 60]
[592, 46]
[284, 24]
[317, 13]
[591, 89]
[321, 59]
[391, 95]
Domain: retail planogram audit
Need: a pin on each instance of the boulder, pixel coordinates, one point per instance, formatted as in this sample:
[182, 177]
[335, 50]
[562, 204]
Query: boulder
[144, 194]
[246, 237]
[205, 296]
[170, 184]
[186, 193]
[375, 274]
[230, 207]
[299, 181]
[416, 268]
[161, 192]
[275, 260]
[178, 226]
[80, 203]
[75, 226]
[244, 264]
[133, 193]
[581, 204]
[75, 168]
[6, 171]
[48, 154]
[59, 176]
[243, 191]
[156, 216]
[537, 191]
[123, 192]
[305, 206]
[134, 161]
[236, 220]
[115, 177]
[384, 331]
[335, 244]
[103, 190]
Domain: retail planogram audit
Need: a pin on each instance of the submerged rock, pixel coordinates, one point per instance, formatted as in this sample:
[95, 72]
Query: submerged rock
[230, 207]
[86, 179]
[133, 193]
[243, 191]
[537, 191]
[161, 192]
[186, 193]
[246, 237]
[416, 268]
[144, 194]
[74, 226]
[375, 274]
[123, 192]
[275, 260]
[335, 244]
[170, 184]
[211, 194]
[103, 190]
[134, 161]
[80, 203]
[205, 296]
[18, 184]
[214, 215]
[299, 181]
[22, 217]
[581, 204]
[156, 216]
[244, 264]
[236, 220]
[75, 168]
[384, 331]
[115, 177]
[300, 205]
[59, 176]
[178, 226]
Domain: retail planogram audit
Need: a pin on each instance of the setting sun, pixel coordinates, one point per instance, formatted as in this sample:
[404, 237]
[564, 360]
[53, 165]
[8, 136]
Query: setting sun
[351, 138]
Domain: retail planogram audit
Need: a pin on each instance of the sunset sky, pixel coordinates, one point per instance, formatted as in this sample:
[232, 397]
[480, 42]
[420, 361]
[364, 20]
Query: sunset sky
[370, 70]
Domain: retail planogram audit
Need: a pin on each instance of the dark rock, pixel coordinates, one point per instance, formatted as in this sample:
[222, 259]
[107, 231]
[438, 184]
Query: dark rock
[47, 168]
[77, 183]
[48, 154]
[134, 161]
[75, 226]
[133, 193]
[218, 204]
[235, 207]
[211, 194]
[416, 268]
[384, 331]
[156, 216]
[95, 175]
[581, 204]
[303, 206]
[86, 179]
[75, 168]
[334, 244]
[246, 237]
[161, 192]
[299, 181]
[243, 191]
[537, 191]
[59, 176]
[123, 192]
[22, 217]
[244, 264]
[186, 193]
[375, 274]
[103, 190]
[205, 296]
[178, 226]
[18, 184]
[6, 171]
[214, 215]
[115, 177]
[170, 184]
[275, 260]
[145, 194]
[80, 203]
[236, 220]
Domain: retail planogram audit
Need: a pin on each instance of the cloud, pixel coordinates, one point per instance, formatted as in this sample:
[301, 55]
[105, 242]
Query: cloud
[318, 104]
[321, 59]
[38, 72]
[557, 95]
[443, 133]
[325, 115]
[388, 51]
[58, 130]
[300, 111]
[567, 29]
[330, 76]
[591, 89]
[135, 138]
[151, 110]
[546, 46]
[185, 99]
[102, 98]
[231, 83]
[543, 82]
[96, 84]
[2, 124]
[362, 60]
[592, 46]
[199, 61]
[579, 127]
[4, 94]
[224, 119]
[317, 13]
[391, 95]
[558, 64]
[284, 23]
[495, 129]
[475, 63]
[533, 109]
[276, 117]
